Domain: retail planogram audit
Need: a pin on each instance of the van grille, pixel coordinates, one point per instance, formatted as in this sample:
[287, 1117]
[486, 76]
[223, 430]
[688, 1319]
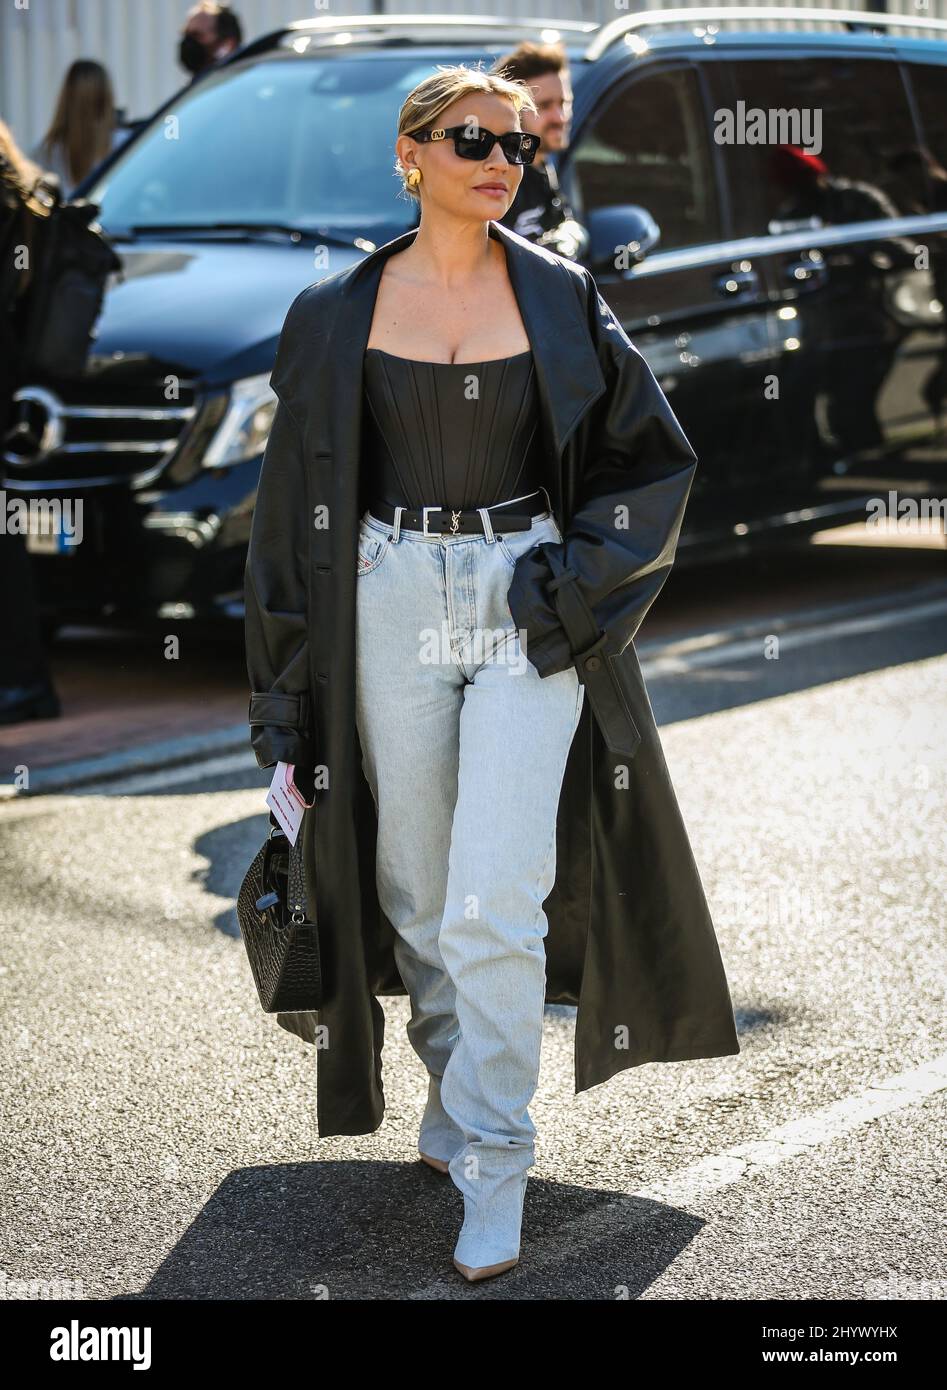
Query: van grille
[74, 437]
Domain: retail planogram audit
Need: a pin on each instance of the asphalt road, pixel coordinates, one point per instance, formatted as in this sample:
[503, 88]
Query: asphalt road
[159, 1129]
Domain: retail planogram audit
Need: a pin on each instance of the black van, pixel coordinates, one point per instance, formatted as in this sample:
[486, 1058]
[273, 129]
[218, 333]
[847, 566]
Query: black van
[767, 216]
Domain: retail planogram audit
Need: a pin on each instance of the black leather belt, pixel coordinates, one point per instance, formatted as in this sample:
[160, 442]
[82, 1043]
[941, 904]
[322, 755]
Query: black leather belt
[444, 521]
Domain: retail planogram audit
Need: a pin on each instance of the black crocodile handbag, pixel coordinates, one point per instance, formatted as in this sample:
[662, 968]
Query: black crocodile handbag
[282, 940]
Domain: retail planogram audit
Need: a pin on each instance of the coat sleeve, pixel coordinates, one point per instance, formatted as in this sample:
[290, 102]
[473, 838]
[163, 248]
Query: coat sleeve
[620, 541]
[276, 580]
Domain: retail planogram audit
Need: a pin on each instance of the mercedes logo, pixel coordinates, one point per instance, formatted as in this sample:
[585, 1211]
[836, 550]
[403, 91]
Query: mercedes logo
[36, 427]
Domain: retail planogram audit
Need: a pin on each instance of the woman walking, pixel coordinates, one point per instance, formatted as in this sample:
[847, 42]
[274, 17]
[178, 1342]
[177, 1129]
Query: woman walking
[465, 683]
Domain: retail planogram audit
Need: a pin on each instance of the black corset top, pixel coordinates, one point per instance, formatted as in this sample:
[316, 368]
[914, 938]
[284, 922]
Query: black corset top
[450, 434]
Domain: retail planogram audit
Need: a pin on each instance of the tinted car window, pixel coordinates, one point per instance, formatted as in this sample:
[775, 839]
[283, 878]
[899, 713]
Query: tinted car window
[649, 145]
[929, 81]
[302, 141]
[858, 166]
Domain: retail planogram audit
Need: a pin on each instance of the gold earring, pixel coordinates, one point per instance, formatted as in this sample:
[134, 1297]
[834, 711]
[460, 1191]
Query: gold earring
[414, 178]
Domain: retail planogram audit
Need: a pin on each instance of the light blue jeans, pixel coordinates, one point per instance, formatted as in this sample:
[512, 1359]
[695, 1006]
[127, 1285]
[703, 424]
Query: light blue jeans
[465, 748]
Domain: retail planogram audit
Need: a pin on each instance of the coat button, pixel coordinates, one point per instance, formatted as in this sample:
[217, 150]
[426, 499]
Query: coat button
[593, 663]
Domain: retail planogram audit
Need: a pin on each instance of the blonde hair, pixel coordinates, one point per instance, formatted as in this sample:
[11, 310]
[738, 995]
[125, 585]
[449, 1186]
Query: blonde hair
[448, 84]
[19, 170]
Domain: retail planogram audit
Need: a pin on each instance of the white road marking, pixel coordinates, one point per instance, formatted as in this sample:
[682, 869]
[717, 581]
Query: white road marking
[140, 783]
[799, 1136]
[712, 649]
[698, 1181]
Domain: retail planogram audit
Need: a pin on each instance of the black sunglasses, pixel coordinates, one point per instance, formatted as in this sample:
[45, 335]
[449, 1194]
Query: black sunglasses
[518, 146]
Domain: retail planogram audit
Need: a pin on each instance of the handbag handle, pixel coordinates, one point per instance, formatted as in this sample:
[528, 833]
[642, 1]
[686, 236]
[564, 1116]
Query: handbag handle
[297, 880]
[296, 906]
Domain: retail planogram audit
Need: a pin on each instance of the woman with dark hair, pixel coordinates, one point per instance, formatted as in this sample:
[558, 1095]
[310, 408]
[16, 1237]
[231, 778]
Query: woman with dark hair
[470, 497]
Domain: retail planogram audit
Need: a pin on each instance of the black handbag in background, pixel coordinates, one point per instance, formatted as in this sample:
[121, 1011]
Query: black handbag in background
[282, 940]
[73, 261]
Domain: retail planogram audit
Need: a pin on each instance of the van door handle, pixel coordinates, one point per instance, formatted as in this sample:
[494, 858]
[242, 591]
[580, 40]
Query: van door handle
[737, 282]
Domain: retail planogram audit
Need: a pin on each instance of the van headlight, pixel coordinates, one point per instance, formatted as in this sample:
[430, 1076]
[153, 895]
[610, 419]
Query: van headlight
[243, 432]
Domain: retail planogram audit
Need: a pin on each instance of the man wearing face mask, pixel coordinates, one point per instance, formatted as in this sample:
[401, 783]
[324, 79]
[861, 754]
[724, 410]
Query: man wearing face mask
[539, 211]
[211, 33]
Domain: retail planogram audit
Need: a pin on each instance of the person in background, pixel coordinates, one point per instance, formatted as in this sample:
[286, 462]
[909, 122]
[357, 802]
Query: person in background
[539, 211]
[211, 33]
[26, 687]
[83, 130]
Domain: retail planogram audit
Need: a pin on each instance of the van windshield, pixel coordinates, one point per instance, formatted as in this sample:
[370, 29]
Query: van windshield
[289, 141]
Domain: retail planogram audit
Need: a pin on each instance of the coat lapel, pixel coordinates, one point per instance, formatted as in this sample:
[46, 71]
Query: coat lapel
[568, 372]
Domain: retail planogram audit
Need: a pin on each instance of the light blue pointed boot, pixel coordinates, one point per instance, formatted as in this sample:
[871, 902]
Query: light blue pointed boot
[439, 1138]
[489, 1240]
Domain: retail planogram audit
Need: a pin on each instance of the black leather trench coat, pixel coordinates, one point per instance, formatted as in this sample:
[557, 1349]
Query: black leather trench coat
[631, 941]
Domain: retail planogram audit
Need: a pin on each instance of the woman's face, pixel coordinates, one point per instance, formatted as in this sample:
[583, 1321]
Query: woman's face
[467, 188]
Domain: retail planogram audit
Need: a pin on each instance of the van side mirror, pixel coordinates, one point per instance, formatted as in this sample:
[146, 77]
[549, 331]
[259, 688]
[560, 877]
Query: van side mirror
[622, 225]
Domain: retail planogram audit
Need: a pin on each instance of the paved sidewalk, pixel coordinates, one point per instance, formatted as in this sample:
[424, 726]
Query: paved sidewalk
[124, 704]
